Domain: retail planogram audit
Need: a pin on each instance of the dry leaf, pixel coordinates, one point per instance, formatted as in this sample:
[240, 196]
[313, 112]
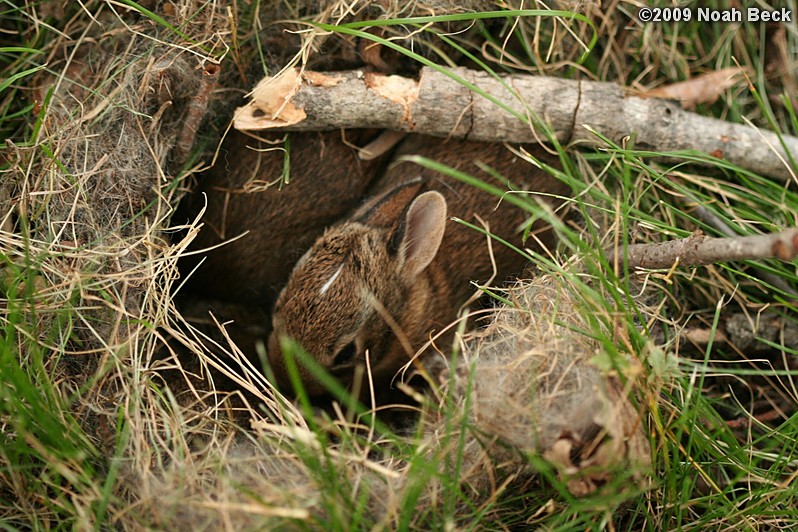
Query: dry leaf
[586, 461]
[705, 88]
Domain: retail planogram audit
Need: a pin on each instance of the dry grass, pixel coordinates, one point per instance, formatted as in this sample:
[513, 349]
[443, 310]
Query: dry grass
[118, 413]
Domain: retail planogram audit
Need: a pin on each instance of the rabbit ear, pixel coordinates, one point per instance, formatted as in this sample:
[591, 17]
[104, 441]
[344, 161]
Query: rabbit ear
[425, 223]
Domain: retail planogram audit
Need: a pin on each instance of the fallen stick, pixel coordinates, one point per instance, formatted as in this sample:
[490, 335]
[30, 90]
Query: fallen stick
[438, 105]
[197, 108]
[698, 250]
[714, 221]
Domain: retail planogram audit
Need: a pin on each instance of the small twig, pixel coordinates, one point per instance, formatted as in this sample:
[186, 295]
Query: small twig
[196, 112]
[381, 145]
[744, 422]
[716, 222]
[698, 250]
[710, 218]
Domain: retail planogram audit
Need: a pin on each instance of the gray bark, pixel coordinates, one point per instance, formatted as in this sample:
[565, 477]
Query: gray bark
[698, 249]
[438, 105]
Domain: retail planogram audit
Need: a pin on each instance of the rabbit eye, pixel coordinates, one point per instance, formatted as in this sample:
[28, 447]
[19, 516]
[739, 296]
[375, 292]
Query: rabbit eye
[346, 355]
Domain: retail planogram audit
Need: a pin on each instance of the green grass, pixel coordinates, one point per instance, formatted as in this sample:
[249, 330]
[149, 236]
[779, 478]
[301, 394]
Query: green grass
[711, 470]
[43, 448]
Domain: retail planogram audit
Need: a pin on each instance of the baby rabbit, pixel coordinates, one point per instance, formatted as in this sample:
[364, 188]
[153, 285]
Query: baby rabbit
[281, 222]
[384, 279]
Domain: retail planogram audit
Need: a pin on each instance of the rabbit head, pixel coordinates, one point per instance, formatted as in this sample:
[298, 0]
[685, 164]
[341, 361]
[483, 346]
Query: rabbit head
[361, 290]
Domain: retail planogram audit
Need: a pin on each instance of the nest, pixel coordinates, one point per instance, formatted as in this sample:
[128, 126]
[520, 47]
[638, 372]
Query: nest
[87, 208]
[532, 384]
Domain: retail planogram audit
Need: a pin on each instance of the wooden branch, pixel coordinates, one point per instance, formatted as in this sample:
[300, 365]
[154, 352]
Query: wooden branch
[438, 105]
[713, 220]
[197, 108]
[698, 249]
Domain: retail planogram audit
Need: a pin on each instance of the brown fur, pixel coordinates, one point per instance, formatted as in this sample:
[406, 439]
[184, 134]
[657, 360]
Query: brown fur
[327, 181]
[376, 300]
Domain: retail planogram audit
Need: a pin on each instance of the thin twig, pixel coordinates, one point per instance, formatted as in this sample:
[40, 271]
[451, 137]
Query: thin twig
[716, 222]
[698, 250]
[196, 112]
